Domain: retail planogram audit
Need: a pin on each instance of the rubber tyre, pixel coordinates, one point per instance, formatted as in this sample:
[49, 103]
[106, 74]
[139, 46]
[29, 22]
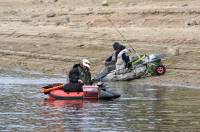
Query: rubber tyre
[160, 70]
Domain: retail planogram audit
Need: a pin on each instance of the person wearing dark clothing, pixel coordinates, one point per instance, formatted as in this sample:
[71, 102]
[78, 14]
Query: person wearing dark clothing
[73, 87]
[80, 72]
[79, 75]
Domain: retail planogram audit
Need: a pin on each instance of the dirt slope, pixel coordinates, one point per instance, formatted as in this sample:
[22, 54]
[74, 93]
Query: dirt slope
[51, 35]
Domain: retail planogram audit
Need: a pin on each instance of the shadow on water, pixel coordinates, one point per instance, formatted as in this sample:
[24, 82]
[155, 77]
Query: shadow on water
[140, 108]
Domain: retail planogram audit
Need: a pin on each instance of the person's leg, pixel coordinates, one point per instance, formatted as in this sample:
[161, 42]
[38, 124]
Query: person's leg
[104, 71]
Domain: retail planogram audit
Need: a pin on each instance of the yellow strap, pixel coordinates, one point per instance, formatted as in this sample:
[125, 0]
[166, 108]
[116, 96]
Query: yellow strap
[139, 59]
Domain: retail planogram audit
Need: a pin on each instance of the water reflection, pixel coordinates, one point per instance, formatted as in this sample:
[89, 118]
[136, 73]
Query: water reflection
[140, 108]
[76, 104]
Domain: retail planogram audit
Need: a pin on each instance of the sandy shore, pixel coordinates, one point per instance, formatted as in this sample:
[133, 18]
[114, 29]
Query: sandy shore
[49, 36]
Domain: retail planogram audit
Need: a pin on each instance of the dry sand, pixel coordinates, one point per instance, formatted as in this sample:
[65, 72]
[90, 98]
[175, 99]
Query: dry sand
[49, 36]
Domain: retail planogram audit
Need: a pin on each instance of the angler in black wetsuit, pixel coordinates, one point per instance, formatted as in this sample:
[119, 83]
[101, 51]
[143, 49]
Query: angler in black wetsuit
[78, 76]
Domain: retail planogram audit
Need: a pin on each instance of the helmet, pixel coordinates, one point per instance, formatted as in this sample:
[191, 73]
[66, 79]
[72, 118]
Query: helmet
[86, 63]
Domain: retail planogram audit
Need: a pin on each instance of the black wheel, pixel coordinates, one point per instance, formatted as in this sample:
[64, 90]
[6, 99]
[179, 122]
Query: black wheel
[160, 70]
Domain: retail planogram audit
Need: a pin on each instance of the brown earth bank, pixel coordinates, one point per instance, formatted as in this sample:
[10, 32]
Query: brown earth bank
[49, 36]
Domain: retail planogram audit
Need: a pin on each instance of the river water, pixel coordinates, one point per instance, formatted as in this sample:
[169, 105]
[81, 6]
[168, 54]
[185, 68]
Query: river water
[140, 108]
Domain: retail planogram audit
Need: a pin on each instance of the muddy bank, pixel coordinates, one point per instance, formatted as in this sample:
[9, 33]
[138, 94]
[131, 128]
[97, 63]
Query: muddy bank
[48, 36]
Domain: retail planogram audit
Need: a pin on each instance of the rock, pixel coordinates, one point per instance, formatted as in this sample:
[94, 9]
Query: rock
[37, 45]
[58, 23]
[51, 14]
[174, 51]
[192, 23]
[90, 22]
[184, 5]
[67, 19]
[132, 4]
[81, 45]
[105, 3]
[25, 20]
[62, 21]
[90, 9]
[35, 15]
[120, 3]
[71, 9]
[41, 1]
[54, 35]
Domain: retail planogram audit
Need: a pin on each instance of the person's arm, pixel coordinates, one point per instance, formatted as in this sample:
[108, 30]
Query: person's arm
[126, 59]
[109, 59]
[74, 75]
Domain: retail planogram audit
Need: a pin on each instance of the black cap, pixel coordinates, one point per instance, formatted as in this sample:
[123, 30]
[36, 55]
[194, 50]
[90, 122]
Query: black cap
[116, 45]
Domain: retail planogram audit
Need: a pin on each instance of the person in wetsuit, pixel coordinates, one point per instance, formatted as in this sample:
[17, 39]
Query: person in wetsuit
[79, 75]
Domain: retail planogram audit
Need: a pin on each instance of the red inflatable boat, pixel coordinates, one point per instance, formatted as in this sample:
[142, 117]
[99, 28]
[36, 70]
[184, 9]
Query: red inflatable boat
[89, 92]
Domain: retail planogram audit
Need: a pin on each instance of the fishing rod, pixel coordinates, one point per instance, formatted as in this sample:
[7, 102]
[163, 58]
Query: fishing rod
[124, 38]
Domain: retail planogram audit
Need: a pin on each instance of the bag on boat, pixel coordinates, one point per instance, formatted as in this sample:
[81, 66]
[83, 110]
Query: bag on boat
[73, 87]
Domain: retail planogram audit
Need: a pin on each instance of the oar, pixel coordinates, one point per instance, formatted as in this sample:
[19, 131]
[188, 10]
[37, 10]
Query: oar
[47, 90]
[52, 85]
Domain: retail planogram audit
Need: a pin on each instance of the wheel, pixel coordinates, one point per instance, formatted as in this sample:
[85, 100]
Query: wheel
[160, 70]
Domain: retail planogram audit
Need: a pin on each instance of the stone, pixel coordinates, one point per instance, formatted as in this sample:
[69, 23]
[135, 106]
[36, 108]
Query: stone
[192, 23]
[51, 14]
[184, 5]
[105, 3]
[174, 51]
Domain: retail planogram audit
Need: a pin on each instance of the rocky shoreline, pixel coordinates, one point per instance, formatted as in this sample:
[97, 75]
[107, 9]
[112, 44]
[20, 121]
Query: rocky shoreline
[48, 36]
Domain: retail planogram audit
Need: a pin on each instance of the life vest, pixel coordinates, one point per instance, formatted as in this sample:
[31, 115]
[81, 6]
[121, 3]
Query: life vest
[120, 64]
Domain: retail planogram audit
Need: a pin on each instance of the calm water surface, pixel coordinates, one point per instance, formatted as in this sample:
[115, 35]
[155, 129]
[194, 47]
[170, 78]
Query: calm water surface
[140, 108]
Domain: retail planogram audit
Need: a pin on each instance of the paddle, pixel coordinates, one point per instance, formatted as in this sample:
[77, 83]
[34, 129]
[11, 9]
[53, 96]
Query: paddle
[52, 85]
[48, 89]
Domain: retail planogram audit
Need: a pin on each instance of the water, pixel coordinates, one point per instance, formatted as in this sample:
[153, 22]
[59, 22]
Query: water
[140, 108]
